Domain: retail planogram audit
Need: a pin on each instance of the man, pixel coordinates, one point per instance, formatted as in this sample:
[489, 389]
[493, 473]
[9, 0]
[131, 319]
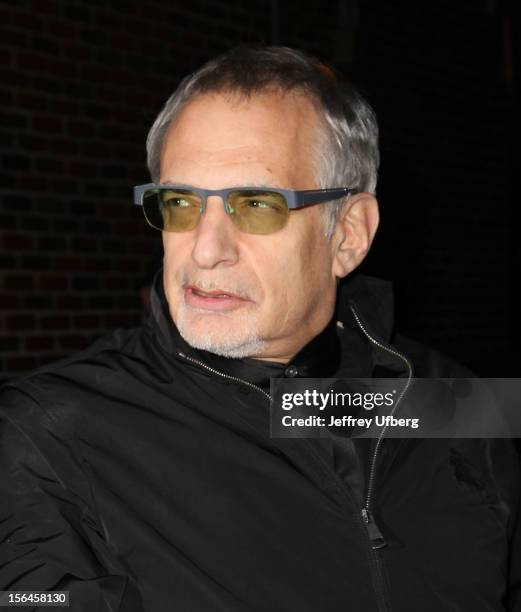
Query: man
[140, 474]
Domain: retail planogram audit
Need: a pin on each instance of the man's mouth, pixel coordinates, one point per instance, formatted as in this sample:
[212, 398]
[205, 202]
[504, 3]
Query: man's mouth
[214, 294]
[216, 299]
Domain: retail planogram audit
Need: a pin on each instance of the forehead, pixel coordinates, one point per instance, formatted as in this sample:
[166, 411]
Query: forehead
[275, 130]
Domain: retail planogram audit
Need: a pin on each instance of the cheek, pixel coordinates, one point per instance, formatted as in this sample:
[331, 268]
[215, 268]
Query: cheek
[176, 251]
[173, 260]
[294, 273]
[273, 275]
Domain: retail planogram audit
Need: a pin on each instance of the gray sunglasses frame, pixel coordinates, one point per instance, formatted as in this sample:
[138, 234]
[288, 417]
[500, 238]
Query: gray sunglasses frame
[294, 199]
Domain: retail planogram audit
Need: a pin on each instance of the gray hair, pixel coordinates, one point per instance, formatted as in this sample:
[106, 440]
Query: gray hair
[348, 155]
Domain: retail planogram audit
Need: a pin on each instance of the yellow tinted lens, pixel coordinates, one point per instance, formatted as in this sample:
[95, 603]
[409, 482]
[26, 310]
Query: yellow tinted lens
[179, 209]
[258, 212]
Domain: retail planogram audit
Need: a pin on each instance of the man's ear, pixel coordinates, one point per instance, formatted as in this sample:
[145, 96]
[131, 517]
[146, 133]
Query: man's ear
[354, 233]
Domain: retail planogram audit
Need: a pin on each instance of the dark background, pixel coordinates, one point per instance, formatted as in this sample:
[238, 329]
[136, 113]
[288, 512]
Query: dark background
[82, 80]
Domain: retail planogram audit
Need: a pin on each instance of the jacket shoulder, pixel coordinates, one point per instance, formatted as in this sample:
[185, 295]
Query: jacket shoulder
[117, 341]
[62, 381]
[428, 362]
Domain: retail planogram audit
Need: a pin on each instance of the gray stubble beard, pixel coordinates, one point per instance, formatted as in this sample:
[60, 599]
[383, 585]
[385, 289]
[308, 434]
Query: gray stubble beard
[235, 345]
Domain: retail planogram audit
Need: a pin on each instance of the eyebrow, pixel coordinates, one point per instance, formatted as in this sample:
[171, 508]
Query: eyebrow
[243, 185]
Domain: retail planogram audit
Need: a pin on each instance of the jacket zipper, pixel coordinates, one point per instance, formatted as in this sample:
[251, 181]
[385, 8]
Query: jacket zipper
[234, 378]
[374, 532]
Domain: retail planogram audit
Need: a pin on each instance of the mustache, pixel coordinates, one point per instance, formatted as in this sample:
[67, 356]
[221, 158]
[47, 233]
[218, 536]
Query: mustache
[240, 288]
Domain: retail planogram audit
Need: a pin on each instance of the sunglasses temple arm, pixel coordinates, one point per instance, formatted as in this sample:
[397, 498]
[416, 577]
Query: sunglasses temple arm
[318, 196]
[138, 196]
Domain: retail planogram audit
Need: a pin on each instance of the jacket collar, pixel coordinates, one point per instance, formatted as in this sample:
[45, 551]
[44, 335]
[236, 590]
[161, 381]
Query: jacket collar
[342, 349]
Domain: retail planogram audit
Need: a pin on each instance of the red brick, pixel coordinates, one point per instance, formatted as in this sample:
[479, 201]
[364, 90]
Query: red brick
[50, 205]
[97, 191]
[8, 261]
[122, 134]
[43, 44]
[65, 186]
[95, 149]
[99, 112]
[47, 123]
[94, 36]
[62, 28]
[20, 322]
[9, 301]
[77, 52]
[89, 245]
[69, 226]
[37, 224]
[32, 61]
[16, 162]
[6, 139]
[12, 76]
[129, 302]
[6, 16]
[9, 343]
[69, 263]
[34, 183]
[49, 7]
[18, 281]
[48, 83]
[8, 222]
[38, 301]
[57, 66]
[53, 282]
[120, 320]
[73, 342]
[128, 228]
[124, 153]
[50, 165]
[8, 180]
[33, 142]
[6, 96]
[141, 247]
[83, 168]
[54, 322]
[28, 21]
[52, 243]
[98, 264]
[77, 13]
[81, 208]
[114, 246]
[85, 283]
[115, 283]
[21, 364]
[17, 242]
[86, 321]
[128, 264]
[100, 301]
[35, 262]
[17, 203]
[76, 127]
[99, 226]
[44, 359]
[64, 146]
[39, 343]
[70, 302]
[32, 101]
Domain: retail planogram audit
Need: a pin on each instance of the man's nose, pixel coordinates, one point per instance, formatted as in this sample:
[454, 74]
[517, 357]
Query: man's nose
[215, 237]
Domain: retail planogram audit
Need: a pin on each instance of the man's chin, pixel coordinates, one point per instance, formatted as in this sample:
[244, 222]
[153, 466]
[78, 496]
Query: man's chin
[222, 335]
[236, 348]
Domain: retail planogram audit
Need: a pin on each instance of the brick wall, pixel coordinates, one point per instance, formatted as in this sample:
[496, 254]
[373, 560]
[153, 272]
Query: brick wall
[81, 81]
[437, 73]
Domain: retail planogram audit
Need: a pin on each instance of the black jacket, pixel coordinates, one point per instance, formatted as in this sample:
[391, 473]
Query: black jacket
[140, 475]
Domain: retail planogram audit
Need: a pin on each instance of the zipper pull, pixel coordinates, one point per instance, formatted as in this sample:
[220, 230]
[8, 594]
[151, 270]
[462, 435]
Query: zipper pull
[375, 535]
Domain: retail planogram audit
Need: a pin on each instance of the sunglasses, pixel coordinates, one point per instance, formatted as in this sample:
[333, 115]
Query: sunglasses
[254, 210]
